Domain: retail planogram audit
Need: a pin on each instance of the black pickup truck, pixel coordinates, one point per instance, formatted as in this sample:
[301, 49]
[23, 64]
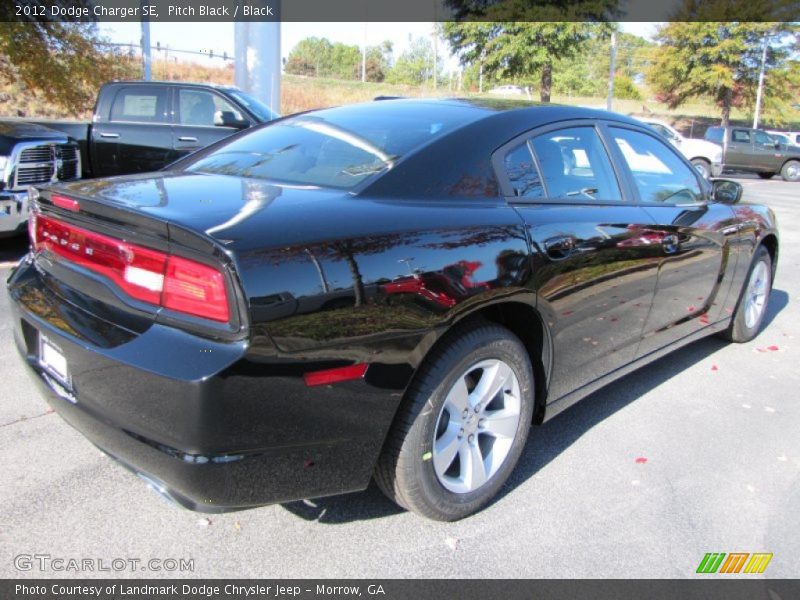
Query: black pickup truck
[141, 126]
[756, 151]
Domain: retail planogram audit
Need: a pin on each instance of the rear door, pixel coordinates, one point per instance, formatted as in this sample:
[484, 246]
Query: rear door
[694, 235]
[196, 113]
[136, 135]
[594, 266]
[739, 152]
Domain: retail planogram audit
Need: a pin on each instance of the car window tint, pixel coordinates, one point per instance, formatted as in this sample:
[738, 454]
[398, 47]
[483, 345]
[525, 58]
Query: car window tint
[522, 173]
[660, 175]
[336, 148]
[741, 135]
[574, 164]
[714, 134]
[199, 107]
[140, 104]
[764, 139]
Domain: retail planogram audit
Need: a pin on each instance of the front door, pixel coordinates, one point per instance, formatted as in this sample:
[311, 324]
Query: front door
[594, 263]
[695, 236]
[197, 118]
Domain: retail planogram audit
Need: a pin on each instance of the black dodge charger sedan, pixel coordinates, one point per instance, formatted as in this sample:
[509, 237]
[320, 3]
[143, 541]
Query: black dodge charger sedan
[394, 290]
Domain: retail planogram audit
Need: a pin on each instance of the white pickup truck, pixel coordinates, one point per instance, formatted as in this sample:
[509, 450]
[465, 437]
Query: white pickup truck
[705, 156]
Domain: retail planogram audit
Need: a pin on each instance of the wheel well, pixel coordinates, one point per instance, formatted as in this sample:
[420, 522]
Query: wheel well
[770, 242]
[524, 322]
[703, 158]
[788, 160]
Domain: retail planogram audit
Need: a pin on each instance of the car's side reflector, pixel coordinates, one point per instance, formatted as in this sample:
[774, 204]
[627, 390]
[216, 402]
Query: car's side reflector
[335, 375]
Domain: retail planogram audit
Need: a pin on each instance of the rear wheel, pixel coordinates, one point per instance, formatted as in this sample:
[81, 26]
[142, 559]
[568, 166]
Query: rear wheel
[753, 301]
[791, 170]
[703, 167]
[462, 427]
[766, 175]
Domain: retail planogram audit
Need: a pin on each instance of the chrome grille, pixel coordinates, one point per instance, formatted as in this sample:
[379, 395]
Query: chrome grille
[38, 164]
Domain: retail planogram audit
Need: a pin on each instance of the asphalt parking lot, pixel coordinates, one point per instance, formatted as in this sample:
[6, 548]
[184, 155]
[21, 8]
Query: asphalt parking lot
[697, 453]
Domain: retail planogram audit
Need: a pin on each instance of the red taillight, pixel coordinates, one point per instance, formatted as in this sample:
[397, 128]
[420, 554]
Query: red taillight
[195, 289]
[335, 375]
[148, 275]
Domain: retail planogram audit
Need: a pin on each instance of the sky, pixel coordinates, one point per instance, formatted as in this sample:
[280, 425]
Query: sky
[218, 37]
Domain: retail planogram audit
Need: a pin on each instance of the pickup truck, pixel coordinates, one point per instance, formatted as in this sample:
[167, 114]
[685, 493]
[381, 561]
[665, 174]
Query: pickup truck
[141, 126]
[31, 154]
[756, 151]
[705, 156]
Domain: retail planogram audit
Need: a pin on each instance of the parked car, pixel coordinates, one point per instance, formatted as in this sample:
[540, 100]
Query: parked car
[705, 156]
[518, 259]
[786, 137]
[30, 155]
[508, 90]
[141, 126]
[755, 151]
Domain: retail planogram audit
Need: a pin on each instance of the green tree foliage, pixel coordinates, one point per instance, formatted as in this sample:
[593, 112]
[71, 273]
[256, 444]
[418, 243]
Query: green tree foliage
[721, 60]
[318, 57]
[519, 39]
[63, 62]
[415, 65]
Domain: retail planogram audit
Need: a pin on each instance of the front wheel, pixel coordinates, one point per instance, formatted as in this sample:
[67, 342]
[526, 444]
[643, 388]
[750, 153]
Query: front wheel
[703, 167]
[462, 426]
[752, 307]
[791, 170]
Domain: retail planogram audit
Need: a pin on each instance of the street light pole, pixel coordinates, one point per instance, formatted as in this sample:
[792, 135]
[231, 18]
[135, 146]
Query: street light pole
[611, 69]
[760, 91]
[147, 74]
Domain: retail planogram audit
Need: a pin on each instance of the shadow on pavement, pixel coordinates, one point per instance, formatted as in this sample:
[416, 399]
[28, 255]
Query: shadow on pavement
[548, 440]
[14, 248]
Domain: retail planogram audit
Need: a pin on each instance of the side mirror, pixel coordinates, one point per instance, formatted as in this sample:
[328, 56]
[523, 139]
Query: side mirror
[777, 145]
[725, 191]
[227, 118]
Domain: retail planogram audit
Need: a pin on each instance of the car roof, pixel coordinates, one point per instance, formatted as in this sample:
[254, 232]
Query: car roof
[205, 84]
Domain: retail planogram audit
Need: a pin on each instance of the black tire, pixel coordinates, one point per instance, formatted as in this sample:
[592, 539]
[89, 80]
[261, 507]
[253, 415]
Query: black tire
[702, 166]
[766, 175]
[405, 471]
[739, 329]
[790, 171]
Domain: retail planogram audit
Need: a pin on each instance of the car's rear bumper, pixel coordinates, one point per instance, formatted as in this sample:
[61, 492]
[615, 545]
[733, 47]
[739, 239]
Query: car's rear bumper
[13, 212]
[206, 423]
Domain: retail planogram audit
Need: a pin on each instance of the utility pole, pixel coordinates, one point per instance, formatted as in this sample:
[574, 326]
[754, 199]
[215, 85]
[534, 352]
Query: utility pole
[364, 56]
[147, 73]
[612, 68]
[435, 52]
[760, 91]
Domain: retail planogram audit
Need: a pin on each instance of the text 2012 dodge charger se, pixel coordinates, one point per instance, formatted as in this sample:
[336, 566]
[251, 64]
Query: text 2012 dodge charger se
[393, 290]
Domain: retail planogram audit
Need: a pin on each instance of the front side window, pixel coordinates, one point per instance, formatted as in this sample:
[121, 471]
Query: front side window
[659, 174]
[202, 108]
[764, 139]
[574, 165]
[522, 173]
[140, 104]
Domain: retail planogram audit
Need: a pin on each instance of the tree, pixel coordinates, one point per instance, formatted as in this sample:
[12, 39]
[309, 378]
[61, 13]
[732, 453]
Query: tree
[318, 57]
[520, 39]
[721, 60]
[310, 57]
[415, 65]
[64, 62]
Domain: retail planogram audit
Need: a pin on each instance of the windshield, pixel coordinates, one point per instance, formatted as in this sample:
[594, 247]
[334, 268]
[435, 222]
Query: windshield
[337, 148]
[258, 108]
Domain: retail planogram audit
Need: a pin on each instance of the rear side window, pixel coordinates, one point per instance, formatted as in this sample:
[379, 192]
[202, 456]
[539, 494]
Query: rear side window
[337, 148]
[740, 135]
[140, 104]
[522, 173]
[660, 175]
[574, 165]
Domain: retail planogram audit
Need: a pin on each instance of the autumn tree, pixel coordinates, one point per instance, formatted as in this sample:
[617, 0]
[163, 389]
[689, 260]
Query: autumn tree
[64, 62]
[721, 60]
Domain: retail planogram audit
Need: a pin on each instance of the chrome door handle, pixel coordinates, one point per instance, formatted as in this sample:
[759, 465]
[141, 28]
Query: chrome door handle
[109, 135]
[559, 247]
[187, 139]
